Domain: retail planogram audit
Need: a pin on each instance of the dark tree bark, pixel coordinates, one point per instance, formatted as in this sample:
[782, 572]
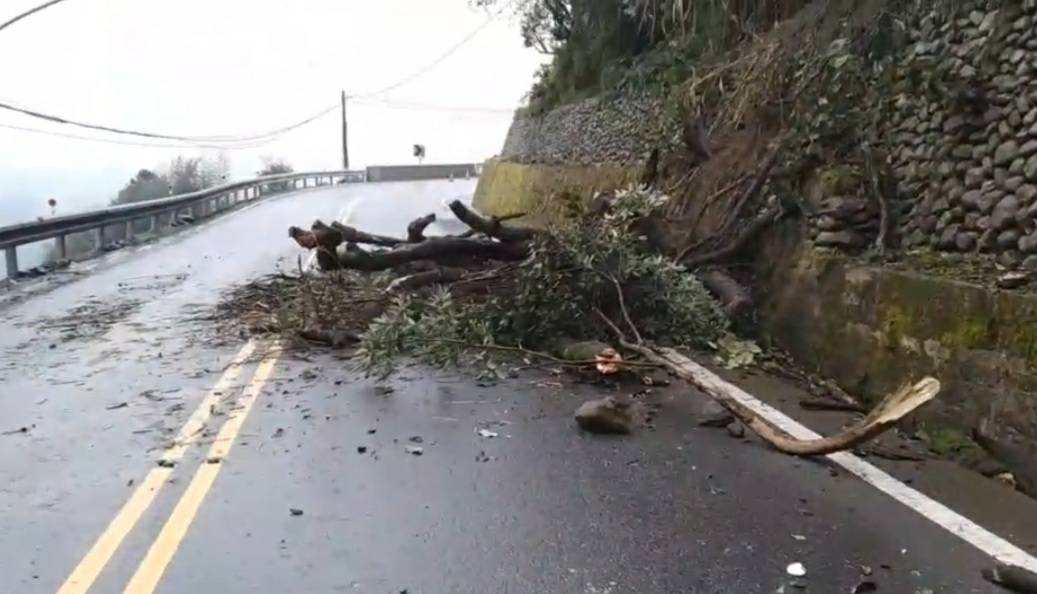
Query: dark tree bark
[732, 295]
[416, 229]
[441, 250]
[490, 227]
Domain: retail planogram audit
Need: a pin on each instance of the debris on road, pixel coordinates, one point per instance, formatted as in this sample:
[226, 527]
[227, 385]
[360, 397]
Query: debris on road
[1012, 578]
[796, 570]
[117, 406]
[414, 450]
[736, 430]
[361, 449]
[487, 433]
[416, 439]
[17, 431]
[295, 511]
[166, 463]
[865, 586]
[713, 414]
[607, 415]
[384, 390]
[799, 537]
[279, 432]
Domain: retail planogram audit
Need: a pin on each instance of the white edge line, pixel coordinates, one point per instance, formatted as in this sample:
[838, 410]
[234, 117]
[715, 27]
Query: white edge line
[933, 510]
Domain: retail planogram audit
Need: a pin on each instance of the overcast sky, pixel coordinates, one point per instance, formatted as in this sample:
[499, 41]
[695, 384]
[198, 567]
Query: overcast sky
[215, 67]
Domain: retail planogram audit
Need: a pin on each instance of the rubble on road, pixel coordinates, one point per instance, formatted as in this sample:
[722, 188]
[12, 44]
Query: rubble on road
[607, 415]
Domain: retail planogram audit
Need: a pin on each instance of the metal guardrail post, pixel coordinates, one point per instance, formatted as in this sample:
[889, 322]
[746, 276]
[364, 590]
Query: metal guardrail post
[129, 230]
[62, 245]
[153, 225]
[11, 257]
[98, 234]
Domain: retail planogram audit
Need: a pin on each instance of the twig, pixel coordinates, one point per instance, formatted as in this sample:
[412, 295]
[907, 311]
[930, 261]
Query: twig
[870, 165]
[532, 353]
[830, 404]
[614, 327]
[623, 308]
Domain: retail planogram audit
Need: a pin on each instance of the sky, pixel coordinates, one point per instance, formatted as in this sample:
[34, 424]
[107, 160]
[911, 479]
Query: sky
[235, 67]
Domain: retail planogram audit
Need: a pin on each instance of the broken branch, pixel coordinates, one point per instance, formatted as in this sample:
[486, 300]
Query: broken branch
[416, 228]
[892, 408]
[489, 226]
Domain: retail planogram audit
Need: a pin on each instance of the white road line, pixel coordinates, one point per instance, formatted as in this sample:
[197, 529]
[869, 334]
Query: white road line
[344, 214]
[934, 511]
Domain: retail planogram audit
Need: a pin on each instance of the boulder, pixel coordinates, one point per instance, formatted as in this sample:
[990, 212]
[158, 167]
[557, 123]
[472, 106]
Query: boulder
[846, 239]
[965, 241]
[607, 415]
[1008, 240]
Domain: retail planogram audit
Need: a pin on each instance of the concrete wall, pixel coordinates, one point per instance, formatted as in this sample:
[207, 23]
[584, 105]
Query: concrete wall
[544, 192]
[872, 328]
[380, 173]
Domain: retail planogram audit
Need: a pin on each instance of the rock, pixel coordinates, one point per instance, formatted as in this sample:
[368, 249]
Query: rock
[983, 223]
[1028, 244]
[1030, 169]
[842, 207]
[941, 205]
[1000, 177]
[928, 224]
[1008, 240]
[1012, 280]
[829, 223]
[736, 430]
[962, 152]
[1028, 149]
[945, 220]
[607, 415]
[1031, 117]
[714, 414]
[954, 123]
[1030, 263]
[1013, 183]
[1009, 259]
[970, 199]
[1026, 193]
[986, 202]
[974, 178]
[1006, 152]
[972, 221]
[847, 239]
[988, 242]
[946, 241]
[1016, 168]
[965, 241]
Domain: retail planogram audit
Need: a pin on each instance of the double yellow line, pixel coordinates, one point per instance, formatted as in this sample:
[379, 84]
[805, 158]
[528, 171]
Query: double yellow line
[162, 550]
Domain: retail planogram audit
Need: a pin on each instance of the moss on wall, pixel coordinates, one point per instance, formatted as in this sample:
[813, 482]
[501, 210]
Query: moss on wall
[544, 192]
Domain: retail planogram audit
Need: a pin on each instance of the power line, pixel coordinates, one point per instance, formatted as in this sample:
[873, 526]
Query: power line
[416, 106]
[189, 139]
[221, 147]
[449, 52]
[29, 13]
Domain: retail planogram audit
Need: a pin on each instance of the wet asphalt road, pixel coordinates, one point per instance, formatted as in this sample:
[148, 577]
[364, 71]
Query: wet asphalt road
[105, 369]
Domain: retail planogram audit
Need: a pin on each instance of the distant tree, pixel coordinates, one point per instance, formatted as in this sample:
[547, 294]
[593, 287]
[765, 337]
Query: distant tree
[272, 166]
[146, 185]
[215, 171]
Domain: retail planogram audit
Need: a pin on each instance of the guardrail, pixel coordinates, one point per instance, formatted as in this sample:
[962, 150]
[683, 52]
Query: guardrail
[199, 204]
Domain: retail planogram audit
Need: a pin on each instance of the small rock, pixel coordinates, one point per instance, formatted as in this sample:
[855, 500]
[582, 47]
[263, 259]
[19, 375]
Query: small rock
[796, 570]
[361, 449]
[414, 450]
[295, 511]
[844, 239]
[1006, 152]
[714, 414]
[965, 241]
[1012, 280]
[1004, 213]
[1026, 193]
[607, 415]
[1030, 263]
[1030, 169]
[1008, 239]
[736, 430]
[1007, 479]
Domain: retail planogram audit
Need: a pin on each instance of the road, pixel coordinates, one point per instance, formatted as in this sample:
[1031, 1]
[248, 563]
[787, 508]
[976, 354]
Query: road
[111, 371]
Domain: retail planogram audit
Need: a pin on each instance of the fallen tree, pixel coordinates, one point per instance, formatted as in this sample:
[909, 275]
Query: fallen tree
[502, 289]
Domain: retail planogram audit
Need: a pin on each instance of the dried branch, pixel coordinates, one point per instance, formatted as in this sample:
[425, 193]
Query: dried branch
[489, 226]
[416, 228]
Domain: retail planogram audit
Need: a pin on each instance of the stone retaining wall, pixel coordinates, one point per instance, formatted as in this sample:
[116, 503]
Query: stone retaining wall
[617, 130]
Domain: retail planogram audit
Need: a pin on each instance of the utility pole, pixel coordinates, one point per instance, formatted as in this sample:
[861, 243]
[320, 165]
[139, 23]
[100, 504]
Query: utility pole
[345, 135]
